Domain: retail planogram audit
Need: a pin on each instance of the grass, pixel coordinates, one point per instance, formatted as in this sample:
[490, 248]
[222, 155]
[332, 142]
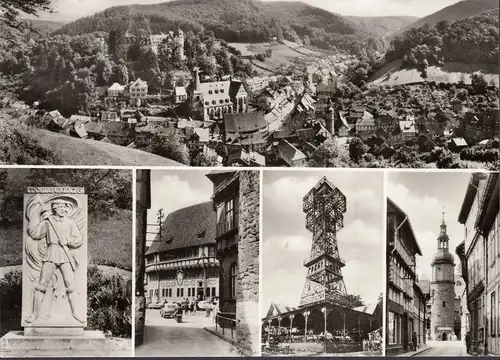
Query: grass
[391, 74]
[73, 151]
[110, 242]
[283, 55]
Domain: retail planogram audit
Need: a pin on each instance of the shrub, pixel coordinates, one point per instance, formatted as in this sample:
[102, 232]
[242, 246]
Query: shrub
[109, 303]
[10, 302]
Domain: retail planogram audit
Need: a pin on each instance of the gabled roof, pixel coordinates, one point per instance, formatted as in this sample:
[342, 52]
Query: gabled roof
[290, 151]
[234, 87]
[190, 226]
[407, 224]
[248, 157]
[278, 309]
[117, 87]
[366, 120]
[244, 122]
[216, 91]
[139, 83]
[367, 309]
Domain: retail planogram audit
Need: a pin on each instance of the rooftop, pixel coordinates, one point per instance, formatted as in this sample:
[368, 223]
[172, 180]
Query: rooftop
[190, 226]
[244, 122]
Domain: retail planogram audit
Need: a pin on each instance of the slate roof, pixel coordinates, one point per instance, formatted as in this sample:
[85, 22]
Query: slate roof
[216, 91]
[190, 226]
[249, 158]
[244, 122]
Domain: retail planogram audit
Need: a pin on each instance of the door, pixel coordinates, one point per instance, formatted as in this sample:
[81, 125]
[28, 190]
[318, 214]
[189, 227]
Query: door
[444, 337]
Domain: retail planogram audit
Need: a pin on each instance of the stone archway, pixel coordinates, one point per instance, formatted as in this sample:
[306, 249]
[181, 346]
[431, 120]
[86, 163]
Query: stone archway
[444, 337]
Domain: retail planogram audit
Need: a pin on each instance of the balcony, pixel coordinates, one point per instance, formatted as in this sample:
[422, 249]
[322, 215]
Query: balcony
[401, 250]
[182, 263]
[310, 260]
[405, 285]
[227, 242]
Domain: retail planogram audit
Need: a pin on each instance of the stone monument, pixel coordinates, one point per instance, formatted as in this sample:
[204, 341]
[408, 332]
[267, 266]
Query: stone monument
[54, 280]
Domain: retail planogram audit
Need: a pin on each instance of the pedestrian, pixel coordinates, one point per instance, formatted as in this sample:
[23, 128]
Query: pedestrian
[414, 341]
[467, 342]
[208, 309]
[195, 305]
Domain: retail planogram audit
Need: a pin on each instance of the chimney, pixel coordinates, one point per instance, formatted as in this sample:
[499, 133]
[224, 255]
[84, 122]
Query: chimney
[197, 79]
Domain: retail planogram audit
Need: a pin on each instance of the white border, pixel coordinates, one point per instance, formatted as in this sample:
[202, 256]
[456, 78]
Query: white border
[134, 293]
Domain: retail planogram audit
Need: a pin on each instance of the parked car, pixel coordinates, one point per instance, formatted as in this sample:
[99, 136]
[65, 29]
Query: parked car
[155, 305]
[168, 310]
[202, 305]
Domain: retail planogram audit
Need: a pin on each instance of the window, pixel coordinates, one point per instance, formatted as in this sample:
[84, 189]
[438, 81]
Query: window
[229, 215]
[444, 303]
[210, 92]
[214, 102]
[216, 91]
[493, 314]
[182, 292]
[213, 292]
[211, 251]
[233, 274]
[163, 292]
[221, 101]
[178, 292]
[189, 292]
[170, 292]
[207, 292]
[222, 91]
[391, 328]
[206, 102]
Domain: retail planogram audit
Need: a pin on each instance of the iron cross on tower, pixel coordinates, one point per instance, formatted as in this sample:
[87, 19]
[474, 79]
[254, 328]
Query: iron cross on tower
[324, 206]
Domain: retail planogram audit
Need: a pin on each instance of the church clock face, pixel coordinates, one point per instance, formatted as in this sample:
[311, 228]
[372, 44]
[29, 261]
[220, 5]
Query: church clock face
[180, 277]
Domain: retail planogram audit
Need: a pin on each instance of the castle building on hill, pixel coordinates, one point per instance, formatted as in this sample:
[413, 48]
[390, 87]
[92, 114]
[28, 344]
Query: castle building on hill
[211, 100]
[443, 290]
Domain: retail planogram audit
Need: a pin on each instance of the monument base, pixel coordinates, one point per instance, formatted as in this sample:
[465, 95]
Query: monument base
[19, 340]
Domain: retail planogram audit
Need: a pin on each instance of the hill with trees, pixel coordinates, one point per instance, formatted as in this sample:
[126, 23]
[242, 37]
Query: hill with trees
[470, 41]
[458, 11]
[45, 26]
[232, 21]
[382, 25]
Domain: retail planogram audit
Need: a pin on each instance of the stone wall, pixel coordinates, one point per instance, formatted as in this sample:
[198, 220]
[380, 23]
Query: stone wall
[442, 316]
[247, 289]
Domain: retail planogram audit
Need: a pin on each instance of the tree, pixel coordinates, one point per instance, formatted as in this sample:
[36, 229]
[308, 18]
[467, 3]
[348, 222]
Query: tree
[353, 301]
[11, 9]
[356, 149]
[478, 81]
[171, 148]
[329, 154]
[203, 159]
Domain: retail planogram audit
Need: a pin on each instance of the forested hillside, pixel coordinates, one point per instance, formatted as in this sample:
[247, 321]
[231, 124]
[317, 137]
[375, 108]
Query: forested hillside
[471, 41]
[233, 21]
[382, 25]
[458, 11]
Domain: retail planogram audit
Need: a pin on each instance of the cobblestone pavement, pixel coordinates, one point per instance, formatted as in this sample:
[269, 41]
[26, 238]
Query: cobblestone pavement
[166, 337]
[444, 348]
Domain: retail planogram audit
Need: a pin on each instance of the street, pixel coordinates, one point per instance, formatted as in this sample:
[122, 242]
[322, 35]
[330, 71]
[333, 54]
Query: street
[166, 337]
[445, 348]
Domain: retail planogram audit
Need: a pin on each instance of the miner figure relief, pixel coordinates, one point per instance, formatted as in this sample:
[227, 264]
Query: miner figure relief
[54, 234]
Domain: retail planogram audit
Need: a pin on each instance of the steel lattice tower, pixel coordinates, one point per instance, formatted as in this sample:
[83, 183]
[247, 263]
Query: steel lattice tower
[324, 206]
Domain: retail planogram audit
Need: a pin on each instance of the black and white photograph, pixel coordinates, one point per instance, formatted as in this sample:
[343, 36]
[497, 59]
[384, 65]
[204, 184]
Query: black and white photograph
[323, 267]
[197, 263]
[366, 83]
[443, 272]
[65, 263]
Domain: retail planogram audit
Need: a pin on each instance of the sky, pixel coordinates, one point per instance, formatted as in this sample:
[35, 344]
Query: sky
[286, 242]
[176, 189]
[69, 10]
[423, 196]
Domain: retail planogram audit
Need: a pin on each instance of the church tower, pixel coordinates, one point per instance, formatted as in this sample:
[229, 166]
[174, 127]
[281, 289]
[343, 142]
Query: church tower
[443, 290]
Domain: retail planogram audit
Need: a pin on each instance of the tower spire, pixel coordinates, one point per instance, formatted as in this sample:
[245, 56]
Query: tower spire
[443, 238]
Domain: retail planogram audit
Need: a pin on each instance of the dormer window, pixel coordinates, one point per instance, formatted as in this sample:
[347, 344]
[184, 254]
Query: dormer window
[210, 92]
[201, 234]
[206, 102]
[214, 102]
[216, 91]
[221, 101]
[222, 91]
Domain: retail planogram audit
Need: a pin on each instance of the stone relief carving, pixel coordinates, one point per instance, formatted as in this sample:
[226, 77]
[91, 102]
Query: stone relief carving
[55, 258]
